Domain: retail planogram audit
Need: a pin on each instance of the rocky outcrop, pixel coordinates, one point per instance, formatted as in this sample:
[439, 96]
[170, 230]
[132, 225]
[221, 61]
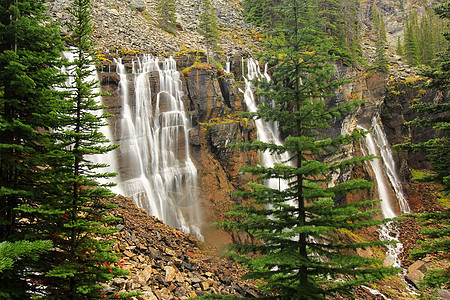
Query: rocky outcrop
[215, 98]
[416, 272]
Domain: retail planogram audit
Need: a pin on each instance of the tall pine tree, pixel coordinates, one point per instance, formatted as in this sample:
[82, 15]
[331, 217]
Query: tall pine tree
[208, 23]
[166, 15]
[69, 210]
[30, 55]
[298, 228]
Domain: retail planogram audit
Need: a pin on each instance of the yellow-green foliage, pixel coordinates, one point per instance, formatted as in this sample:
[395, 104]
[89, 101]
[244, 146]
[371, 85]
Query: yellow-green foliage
[227, 119]
[124, 51]
[367, 74]
[444, 200]
[101, 57]
[411, 81]
[418, 174]
[199, 66]
[187, 51]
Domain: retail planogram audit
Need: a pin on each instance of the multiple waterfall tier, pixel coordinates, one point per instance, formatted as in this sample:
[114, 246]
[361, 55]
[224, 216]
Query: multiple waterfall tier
[156, 170]
[153, 161]
[267, 132]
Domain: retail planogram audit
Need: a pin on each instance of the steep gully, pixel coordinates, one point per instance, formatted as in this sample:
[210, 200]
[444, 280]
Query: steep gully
[154, 164]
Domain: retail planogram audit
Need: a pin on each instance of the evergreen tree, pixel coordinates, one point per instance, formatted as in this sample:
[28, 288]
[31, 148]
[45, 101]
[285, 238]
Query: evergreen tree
[166, 15]
[15, 257]
[399, 47]
[69, 211]
[255, 11]
[30, 51]
[381, 61]
[411, 46]
[261, 12]
[436, 114]
[298, 228]
[208, 23]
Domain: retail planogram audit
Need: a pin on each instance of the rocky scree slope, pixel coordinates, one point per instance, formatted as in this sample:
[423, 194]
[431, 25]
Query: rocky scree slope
[165, 263]
[133, 25]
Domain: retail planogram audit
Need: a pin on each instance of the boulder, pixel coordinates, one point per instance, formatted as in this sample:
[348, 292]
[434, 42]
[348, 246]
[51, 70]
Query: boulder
[416, 272]
[138, 5]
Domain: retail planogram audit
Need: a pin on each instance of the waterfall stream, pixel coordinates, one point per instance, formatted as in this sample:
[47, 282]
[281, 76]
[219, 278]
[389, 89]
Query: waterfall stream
[156, 170]
[389, 165]
[267, 132]
[384, 169]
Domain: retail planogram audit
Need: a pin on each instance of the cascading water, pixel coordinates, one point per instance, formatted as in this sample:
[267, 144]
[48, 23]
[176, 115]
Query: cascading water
[156, 170]
[267, 132]
[389, 165]
[388, 231]
[228, 65]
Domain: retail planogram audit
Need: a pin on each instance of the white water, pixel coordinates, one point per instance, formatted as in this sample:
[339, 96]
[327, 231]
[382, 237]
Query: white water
[377, 167]
[389, 165]
[388, 231]
[156, 169]
[267, 132]
[228, 65]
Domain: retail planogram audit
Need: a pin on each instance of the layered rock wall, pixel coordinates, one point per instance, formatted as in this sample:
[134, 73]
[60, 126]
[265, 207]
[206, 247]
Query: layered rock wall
[212, 98]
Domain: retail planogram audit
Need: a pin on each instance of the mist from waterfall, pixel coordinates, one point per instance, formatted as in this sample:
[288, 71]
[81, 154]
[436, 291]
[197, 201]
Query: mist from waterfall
[156, 170]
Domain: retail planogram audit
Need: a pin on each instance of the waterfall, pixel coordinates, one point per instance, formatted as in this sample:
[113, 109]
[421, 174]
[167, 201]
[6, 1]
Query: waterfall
[267, 132]
[377, 167]
[156, 170]
[228, 65]
[389, 165]
[388, 231]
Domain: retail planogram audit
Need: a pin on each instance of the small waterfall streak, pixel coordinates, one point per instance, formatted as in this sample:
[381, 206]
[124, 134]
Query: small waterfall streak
[377, 167]
[160, 175]
[388, 231]
[267, 132]
[389, 165]
[228, 65]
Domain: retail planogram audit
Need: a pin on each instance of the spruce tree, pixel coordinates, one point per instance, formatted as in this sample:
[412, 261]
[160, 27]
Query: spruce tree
[166, 15]
[411, 48]
[399, 49]
[16, 256]
[208, 23]
[30, 59]
[298, 229]
[69, 210]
